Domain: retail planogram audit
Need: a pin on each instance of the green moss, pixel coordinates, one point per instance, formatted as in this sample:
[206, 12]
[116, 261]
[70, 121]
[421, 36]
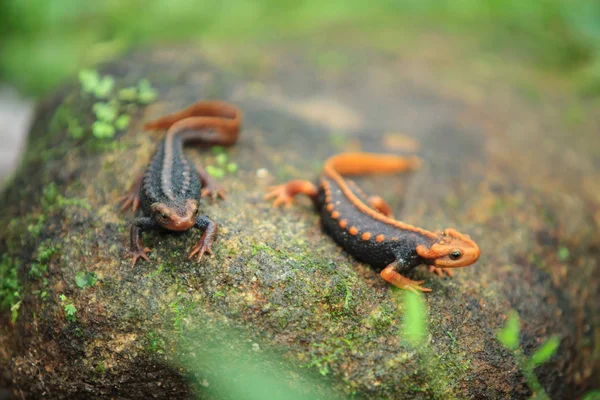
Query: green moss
[155, 342]
[180, 309]
[36, 228]
[10, 286]
[37, 271]
[156, 272]
[46, 250]
[100, 367]
[51, 199]
[217, 294]
[324, 355]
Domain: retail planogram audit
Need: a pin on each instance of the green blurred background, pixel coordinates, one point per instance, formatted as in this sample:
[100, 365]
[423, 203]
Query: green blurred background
[45, 41]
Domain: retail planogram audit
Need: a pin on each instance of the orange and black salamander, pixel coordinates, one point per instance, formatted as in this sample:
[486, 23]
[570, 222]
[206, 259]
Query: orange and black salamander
[169, 190]
[364, 226]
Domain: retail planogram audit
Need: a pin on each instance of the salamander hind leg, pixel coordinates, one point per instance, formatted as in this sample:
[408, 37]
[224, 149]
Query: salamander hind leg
[392, 276]
[207, 239]
[380, 205]
[284, 194]
[209, 187]
[132, 198]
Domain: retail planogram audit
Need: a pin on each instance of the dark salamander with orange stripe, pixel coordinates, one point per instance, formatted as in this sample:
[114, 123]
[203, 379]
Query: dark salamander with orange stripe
[169, 191]
[364, 226]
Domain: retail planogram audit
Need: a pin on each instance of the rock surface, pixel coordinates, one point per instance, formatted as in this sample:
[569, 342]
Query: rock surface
[507, 170]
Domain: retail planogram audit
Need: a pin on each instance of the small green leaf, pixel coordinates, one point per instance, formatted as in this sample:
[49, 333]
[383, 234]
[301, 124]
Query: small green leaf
[509, 335]
[89, 80]
[14, 310]
[128, 94]
[122, 122]
[62, 298]
[85, 279]
[75, 131]
[147, 94]
[217, 150]
[214, 171]
[148, 97]
[104, 87]
[414, 328]
[221, 158]
[103, 130]
[106, 112]
[232, 168]
[545, 351]
[563, 253]
[70, 311]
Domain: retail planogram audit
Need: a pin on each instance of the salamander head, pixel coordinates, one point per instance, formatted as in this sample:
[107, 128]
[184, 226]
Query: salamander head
[176, 216]
[452, 249]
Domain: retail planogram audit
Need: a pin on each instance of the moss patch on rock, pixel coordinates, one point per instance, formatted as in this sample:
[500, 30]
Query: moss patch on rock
[277, 291]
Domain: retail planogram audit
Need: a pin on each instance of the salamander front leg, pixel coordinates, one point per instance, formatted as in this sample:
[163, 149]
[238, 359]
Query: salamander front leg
[284, 194]
[208, 237]
[137, 248]
[392, 276]
[440, 271]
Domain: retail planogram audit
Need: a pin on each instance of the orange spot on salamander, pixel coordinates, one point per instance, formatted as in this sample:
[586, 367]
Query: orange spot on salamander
[335, 215]
[329, 207]
[343, 224]
[366, 236]
[353, 230]
[380, 238]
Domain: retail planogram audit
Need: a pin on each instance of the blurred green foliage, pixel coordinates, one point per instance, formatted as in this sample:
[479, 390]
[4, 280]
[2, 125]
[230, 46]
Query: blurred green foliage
[224, 364]
[43, 42]
[414, 328]
[509, 337]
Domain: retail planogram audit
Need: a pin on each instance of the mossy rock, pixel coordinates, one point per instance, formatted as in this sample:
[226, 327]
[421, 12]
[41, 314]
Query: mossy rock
[278, 295]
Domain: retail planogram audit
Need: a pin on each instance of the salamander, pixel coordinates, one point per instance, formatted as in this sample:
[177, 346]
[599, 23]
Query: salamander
[364, 227]
[170, 189]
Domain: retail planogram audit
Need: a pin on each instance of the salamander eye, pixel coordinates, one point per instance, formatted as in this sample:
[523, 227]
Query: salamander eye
[455, 254]
[164, 216]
